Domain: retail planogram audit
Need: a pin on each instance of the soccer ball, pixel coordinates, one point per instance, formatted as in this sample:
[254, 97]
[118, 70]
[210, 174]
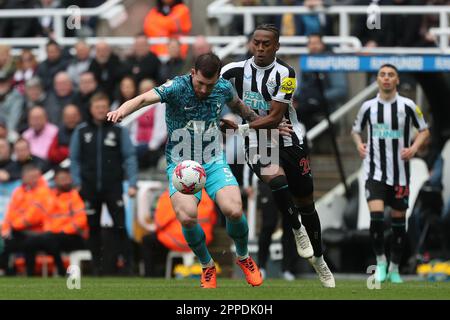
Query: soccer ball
[189, 177]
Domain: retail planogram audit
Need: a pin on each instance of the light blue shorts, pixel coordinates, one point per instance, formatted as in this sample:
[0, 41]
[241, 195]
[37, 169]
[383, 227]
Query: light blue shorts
[218, 175]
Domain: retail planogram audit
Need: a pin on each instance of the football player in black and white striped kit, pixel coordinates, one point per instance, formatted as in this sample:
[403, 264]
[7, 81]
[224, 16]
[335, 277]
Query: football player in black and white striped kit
[266, 84]
[389, 118]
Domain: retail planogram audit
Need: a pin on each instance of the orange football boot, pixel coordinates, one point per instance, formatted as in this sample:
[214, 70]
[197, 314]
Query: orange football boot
[251, 271]
[209, 279]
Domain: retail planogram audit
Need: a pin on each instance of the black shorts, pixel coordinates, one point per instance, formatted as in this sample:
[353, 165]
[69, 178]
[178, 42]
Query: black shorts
[396, 197]
[295, 162]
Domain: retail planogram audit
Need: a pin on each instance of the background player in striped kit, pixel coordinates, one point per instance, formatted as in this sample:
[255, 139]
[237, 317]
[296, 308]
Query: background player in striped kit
[386, 156]
[266, 84]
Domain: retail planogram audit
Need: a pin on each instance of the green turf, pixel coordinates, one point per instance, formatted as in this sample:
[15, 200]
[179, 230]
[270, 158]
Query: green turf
[143, 288]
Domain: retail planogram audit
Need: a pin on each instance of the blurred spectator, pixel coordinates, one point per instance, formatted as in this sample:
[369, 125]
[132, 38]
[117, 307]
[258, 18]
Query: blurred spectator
[236, 27]
[54, 63]
[46, 23]
[23, 157]
[430, 21]
[11, 102]
[62, 94]
[143, 63]
[290, 24]
[3, 129]
[40, 133]
[34, 96]
[175, 65]
[403, 28]
[149, 132]
[18, 27]
[101, 157]
[59, 149]
[400, 30]
[169, 18]
[308, 97]
[25, 215]
[200, 46]
[106, 68]
[7, 65]
[26, 69]
[88, 24]
[80, 63]
[5, 160]
[65, 223]
[34, 93]
[87, 88]
[127, 91]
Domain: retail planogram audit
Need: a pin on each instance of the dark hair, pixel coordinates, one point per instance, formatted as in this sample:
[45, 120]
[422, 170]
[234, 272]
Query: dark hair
[30, 167]
[22, 140]
[269, 27]
[389, 66]
[59, 169]
[51, 42]
[315, 34]
[208, 64]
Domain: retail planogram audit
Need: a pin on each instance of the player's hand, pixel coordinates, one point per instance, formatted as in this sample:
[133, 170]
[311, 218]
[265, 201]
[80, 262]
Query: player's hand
[227, 124]
[362, 150]
[115, 116]
[132, 191]
[249, 192]
[407, 153]
[285, 128]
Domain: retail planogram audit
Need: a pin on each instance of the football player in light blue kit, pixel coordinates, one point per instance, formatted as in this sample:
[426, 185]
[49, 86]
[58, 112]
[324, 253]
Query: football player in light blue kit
[193, 105]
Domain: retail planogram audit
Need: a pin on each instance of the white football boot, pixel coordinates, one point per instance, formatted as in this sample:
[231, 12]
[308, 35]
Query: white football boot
[322, 270]
[304, 247]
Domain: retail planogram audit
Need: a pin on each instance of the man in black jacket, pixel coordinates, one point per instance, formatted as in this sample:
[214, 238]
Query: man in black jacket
[143, 63]
[102, 156]
[107, 68]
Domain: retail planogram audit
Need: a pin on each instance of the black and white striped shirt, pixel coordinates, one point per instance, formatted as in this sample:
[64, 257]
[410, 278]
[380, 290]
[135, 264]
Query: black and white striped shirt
[389, 131]
[257, 86]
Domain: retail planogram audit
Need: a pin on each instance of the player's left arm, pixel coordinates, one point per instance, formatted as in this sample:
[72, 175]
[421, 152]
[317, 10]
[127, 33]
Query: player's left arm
[418, 122]
[273, 119]
[408, 153]
[237, 106]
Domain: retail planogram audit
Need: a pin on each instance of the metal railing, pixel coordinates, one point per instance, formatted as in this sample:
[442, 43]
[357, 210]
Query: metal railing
[224, 7]
[59, 14]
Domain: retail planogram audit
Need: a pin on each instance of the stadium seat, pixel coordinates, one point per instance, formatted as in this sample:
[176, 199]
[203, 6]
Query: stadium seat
[188, 260]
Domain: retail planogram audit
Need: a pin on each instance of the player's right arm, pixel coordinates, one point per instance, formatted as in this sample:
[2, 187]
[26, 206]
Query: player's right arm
[130, 106]
[358, 127]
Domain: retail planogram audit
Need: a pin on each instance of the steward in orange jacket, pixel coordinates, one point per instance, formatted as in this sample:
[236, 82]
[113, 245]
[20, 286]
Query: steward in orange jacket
[168, 20]
[26, 213]
[168, 228]
[65, 223]
[29, 204]
[67, 214]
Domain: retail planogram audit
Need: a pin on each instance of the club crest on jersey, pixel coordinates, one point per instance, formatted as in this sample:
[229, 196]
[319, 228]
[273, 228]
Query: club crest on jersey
[288, 85]
[88, 137]
[166, 85]
[110, 139]
[271, 83]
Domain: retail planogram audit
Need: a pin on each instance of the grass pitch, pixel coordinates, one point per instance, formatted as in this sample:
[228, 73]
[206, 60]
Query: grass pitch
[228, 289]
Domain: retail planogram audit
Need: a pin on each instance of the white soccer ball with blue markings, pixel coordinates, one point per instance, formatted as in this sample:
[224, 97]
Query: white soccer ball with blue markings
[189, 177]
